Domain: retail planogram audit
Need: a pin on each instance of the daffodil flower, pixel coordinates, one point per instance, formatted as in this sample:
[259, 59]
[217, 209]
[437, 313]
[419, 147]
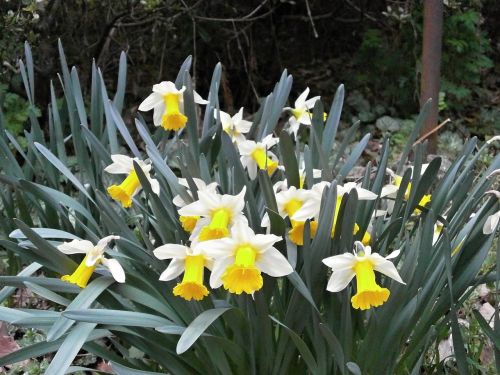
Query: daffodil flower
[256, 155]
[390, 190]
[289, 202]
[217, 213]
[192, 263]
[362, 265]
[311, 208]
[124, 192]
[94, 255]
[234, 126]
[301, 112]
[189, 222]
[167, 103]
[239, 260]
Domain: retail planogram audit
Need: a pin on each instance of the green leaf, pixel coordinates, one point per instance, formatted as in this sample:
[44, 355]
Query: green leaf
[332, 121]
[116, 317]
[122, 370]
[197, 327]
[81, 301]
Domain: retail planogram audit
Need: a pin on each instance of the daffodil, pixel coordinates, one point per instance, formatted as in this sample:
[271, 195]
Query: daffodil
[189, 222]
[217, 213]
[311, 208]
[301, 112]
[289, 201]
[362, 265]
[94, 255]
[491, 223]
[234, 126]
[124, 192]
[192, 263]
[167, 103]
[390, 190]
[240, 260]
[256, 155]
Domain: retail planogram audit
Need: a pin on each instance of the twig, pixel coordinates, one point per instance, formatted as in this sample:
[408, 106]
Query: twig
[311, 19]
[431, 132]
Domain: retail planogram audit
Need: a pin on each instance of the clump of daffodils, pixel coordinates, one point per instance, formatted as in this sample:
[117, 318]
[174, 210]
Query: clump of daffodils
[221, 240]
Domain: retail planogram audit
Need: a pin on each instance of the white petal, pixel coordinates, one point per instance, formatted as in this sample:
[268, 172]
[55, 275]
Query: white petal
[218, 270]
[386, 267]
[76, 247]
[155, 185]
[365, 195]
[491, 223]
[167, 87]
[389, 191]
[150, 102]
[216, 249]
[115, 268]
[251, 167]
[92, 257]
[305, 118]
[122, 164]
[311, 102]
[174, 269]
[197, 208]
[340, 279]
[394, 254]
[342, 261]
[104, 241]
[158, 112]
[301, 100]
[264, 241]
[274, 263]
[198, 99]
[171, 250]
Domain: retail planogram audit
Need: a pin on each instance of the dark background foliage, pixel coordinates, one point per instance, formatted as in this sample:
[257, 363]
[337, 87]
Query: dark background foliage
[373, 47]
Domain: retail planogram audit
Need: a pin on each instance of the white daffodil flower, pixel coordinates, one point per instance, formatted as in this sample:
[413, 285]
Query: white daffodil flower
[217, 214]
[256, 155]
[491, 223]
[189, 222]
[124, 192]
[301, 112]
[192, 263]
[362, 265]
[234, 126]
[167, 103]
[240, 259]
[390, 190]
[94, 255]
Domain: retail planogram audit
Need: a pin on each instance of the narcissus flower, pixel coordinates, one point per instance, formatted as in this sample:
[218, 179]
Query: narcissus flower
[217, 213]
[362, 265]
[289, 202]
[390, 190]
[124, 192]
[189, 222]
[185, 260]
[234, 126]
[311, 207]
[167, 103]
[240, 259]
[301, 112]
[94, 255]
[256, 155]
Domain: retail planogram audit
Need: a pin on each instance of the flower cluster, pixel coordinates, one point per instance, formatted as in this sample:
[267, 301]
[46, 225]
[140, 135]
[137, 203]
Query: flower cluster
[220, 238]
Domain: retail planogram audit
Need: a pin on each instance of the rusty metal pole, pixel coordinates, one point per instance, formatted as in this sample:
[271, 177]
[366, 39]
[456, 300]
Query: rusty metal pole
[431, 65]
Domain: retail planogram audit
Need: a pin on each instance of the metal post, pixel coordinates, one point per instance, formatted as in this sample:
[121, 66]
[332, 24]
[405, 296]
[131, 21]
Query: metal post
[431, 65]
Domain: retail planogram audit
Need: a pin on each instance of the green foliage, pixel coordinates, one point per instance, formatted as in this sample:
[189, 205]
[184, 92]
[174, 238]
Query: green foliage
[292, 325]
